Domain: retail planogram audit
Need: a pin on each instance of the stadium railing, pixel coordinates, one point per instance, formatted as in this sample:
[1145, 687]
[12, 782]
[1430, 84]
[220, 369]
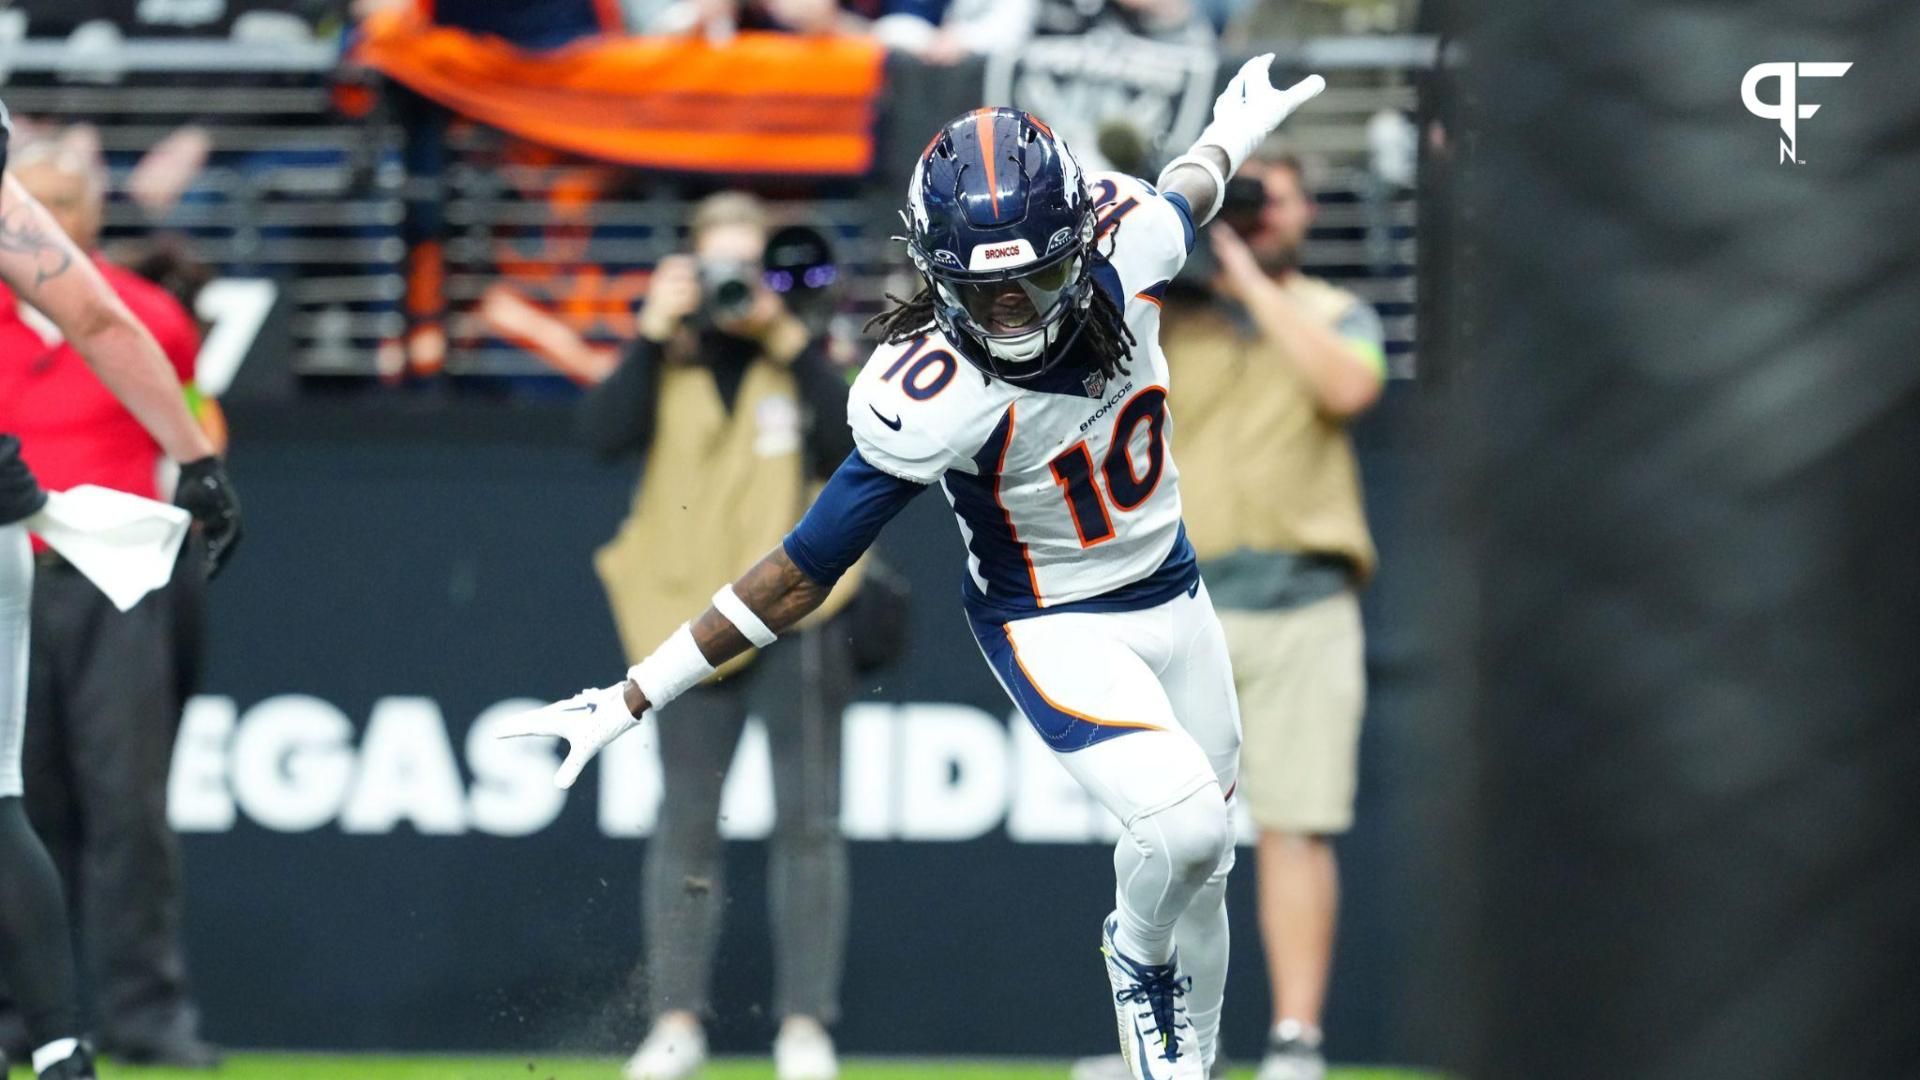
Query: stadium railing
[298, 190]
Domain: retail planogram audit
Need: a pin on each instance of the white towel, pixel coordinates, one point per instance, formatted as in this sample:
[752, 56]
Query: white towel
[123, 543]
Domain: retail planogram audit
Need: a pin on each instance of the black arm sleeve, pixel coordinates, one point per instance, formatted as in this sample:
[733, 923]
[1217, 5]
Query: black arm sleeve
[823, 391]
[616, 417]
[20, 494]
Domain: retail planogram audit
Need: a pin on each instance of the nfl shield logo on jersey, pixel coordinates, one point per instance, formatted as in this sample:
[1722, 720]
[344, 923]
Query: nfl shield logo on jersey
[1096, 383]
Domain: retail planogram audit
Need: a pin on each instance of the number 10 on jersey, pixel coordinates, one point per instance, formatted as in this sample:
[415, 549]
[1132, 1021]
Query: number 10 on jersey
[1127, 486]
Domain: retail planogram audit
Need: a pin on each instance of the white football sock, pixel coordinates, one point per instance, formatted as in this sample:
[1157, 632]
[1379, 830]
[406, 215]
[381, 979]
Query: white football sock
[1204, 941]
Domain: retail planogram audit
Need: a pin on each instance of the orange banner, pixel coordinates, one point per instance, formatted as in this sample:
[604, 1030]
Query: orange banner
[762, 102]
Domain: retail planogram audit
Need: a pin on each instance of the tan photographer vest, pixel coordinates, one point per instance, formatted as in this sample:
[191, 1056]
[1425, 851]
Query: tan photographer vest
[719, 491]
[1261, 468]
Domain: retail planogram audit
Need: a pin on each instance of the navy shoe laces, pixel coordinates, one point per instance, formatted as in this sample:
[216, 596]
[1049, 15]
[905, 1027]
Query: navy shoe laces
[1158, 989]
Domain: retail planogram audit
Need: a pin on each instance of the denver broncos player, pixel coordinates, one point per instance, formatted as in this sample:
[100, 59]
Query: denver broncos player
[1026, 381]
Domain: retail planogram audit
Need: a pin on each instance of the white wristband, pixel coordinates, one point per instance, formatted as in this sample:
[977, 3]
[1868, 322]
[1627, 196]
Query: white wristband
[674, 668]
[728, 603]
[1219, 183]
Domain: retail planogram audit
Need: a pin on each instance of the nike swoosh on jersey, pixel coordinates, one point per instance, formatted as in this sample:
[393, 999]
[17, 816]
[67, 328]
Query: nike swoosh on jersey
[894, 424]
[591, 707]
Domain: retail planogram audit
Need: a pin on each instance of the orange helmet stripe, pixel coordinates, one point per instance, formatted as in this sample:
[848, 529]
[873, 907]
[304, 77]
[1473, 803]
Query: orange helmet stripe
[983, 125]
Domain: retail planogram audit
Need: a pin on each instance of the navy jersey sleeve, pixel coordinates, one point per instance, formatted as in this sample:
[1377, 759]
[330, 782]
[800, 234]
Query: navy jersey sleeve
[843, 522]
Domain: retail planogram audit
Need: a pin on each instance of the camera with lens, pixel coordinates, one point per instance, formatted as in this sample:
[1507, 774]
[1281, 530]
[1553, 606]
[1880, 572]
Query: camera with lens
[800, 267]
[726, 289]
[1240, 208]
[1242, 204]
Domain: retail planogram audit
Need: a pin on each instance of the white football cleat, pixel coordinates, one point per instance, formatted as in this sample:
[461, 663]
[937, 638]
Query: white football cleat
[804, 1051]
[675, 1049]
[1150, 1009]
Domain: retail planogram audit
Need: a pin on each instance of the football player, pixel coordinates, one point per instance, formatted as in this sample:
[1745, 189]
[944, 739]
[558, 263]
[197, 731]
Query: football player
[1026, 381]
[42, 268]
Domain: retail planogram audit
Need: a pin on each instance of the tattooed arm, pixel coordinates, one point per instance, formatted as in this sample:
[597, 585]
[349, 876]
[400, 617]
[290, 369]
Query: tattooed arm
[45, 269]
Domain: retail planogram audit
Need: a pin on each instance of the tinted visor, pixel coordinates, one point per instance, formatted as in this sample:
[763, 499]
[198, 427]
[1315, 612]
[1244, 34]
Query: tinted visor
[1016, 305]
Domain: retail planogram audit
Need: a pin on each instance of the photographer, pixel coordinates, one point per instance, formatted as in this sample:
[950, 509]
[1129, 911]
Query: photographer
[740, 415]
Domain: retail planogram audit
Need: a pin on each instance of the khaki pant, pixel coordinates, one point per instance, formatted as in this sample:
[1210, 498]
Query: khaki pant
[1301, 675]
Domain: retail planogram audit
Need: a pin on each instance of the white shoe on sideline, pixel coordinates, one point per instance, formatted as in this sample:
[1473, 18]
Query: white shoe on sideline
[1293, 1053]
[804, 1051]
[674, 1050]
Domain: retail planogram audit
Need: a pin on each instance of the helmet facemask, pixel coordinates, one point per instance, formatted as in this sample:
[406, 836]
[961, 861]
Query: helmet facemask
[1020, 321]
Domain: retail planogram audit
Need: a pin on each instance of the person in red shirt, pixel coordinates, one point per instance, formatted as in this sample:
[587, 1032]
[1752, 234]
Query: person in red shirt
[71, 428]
[42, 266]
[104, 697]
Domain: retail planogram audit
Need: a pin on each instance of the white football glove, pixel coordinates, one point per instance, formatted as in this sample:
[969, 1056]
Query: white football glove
[588, 721]
[1250, 108]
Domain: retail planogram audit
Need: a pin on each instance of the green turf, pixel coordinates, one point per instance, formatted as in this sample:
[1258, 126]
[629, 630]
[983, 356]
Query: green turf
[293, 1067]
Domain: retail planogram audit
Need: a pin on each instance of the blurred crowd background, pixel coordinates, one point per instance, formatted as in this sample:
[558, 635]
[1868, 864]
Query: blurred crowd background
[481, 189]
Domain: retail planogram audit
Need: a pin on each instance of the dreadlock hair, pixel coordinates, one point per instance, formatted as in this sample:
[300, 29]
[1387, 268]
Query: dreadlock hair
[1107, 337]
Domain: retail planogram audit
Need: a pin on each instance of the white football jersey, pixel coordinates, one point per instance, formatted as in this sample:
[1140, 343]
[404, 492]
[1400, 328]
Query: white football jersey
[1066, 495]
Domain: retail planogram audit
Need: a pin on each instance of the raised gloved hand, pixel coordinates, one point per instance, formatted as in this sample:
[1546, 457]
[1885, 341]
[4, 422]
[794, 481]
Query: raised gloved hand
[20, 493]
[1251, 107]
[588, 721]
[207, 494]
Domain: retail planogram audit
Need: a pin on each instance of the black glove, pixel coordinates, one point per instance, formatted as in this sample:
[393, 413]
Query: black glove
[207, 494]
[20, 494]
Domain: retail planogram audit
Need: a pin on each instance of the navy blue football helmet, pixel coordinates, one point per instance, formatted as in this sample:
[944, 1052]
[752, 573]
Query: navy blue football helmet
[1001, 226]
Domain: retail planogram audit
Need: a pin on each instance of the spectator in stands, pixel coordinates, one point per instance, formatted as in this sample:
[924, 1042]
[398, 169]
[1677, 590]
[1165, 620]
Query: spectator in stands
[1255, 21]
[740, 416]
[167, 170]
[947, 31]
[1269, 378]
[530, 24]
[1171, 21]
[160, 177]
[719, 19]
[106, 687]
